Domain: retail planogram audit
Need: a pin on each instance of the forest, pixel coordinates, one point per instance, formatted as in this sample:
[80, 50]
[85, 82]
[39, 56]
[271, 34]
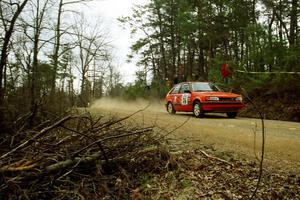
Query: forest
[43, 51]
[188, 40]
[45, 46]
[56, 60]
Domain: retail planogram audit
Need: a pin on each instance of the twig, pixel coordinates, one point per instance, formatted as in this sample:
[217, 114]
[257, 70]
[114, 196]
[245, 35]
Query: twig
[254, 142]
[31, 140]
[67, 163]
[22, 165]
[216, 158]
[262, 145]
[217, 192]
[176, 128]
[42, 124]
[89, 137]
[22, 118]
[112, 137]
[122, 119]
[98, 142]
[70, 170]
[86, 159]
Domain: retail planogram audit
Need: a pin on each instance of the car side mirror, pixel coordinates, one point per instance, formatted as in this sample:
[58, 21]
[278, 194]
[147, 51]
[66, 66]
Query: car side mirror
[187, 91]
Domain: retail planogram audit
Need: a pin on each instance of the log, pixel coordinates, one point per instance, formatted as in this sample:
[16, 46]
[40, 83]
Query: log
[70, 162]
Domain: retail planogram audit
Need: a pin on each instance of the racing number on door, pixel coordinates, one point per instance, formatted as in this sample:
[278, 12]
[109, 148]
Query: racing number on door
[184, 100]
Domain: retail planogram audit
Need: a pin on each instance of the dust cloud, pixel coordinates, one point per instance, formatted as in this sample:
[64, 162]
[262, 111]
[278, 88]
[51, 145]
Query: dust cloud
[115, 104]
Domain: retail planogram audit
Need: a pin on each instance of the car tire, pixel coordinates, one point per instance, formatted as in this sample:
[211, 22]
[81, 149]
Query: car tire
[198, 112]
[231, 114]
[170, 108]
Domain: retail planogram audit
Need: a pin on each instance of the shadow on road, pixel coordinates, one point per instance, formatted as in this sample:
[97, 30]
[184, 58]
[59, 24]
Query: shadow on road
[206, 116]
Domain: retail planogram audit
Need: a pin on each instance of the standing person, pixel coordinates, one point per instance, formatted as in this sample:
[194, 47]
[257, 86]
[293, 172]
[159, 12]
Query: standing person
[226, 73]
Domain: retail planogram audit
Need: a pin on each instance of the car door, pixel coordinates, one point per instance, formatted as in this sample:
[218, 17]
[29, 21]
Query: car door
[184, 98]
[174, 95]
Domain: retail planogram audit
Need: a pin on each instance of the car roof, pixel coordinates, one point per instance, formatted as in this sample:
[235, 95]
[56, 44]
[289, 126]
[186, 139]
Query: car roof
[192, 82]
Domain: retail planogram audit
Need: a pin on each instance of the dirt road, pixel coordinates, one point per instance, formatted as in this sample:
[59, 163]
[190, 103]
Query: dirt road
[229, 137]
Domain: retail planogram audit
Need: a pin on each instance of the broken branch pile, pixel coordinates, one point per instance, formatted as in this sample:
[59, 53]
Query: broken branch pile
[79, 156]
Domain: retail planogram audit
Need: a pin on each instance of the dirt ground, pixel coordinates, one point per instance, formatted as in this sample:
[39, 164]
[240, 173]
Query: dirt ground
[230, 139]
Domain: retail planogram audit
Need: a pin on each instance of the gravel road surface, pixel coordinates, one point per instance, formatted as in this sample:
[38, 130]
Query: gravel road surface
[240, 136]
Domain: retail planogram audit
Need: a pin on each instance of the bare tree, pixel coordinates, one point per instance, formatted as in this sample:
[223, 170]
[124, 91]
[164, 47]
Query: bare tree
[92, 45]
[36, 54]
[59, 32]
[9, 13]
[113, 79]
[39, 12]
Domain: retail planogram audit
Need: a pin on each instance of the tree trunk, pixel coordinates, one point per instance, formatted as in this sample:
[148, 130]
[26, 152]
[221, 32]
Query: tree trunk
[4, 50]
[270, 38]
[172, 33]
[56, 48]
[162, 48]
[34, 90]
[293, 22]
[293, 35]
[253, 12]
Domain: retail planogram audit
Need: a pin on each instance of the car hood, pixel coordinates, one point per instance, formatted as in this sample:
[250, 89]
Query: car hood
[218, 94]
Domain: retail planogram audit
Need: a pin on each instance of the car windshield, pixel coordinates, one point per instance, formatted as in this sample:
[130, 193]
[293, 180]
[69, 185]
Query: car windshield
[205, 87]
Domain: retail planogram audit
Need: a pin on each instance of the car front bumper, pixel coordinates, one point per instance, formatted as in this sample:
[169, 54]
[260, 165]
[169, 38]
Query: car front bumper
[222, 107]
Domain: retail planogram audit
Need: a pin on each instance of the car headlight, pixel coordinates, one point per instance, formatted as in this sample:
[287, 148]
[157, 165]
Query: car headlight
[239, 99]
[213, 99]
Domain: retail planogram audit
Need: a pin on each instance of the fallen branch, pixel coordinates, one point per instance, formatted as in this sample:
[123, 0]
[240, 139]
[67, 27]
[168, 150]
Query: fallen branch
[68, 152]
[89, 137]
[216, 158]
[87, 160]
[70, 162]
[21, 165]
[112, 137]
[32, 139]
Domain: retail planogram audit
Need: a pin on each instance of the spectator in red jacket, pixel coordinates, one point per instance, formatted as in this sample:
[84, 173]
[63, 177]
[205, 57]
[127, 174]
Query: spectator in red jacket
[226, 73]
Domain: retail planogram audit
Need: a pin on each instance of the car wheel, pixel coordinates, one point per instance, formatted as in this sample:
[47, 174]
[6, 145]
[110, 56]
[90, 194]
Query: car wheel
[198, 112]
[170, 108]
[231, 114]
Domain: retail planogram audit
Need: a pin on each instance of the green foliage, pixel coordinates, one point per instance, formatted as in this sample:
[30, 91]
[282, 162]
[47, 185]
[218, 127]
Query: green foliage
[215, 69]
[117, 90]
[85, 97]
[44, 77]
[156, 90]
[201, 35]
[276, 86]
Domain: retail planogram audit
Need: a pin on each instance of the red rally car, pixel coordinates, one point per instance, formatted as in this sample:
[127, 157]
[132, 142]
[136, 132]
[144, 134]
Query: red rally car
[202, 97]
